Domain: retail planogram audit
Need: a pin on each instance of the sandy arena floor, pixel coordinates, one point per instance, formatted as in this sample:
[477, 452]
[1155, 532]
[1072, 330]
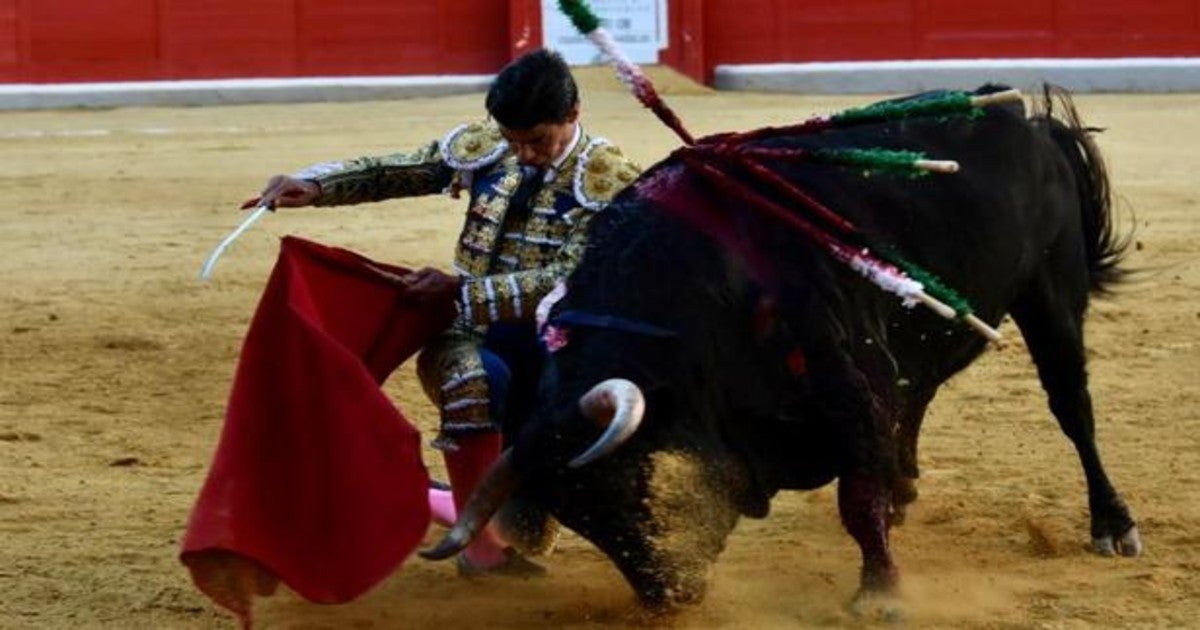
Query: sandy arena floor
[116, 362]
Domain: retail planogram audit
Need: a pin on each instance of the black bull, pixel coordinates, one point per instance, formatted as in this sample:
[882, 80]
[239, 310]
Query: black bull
[764, 364]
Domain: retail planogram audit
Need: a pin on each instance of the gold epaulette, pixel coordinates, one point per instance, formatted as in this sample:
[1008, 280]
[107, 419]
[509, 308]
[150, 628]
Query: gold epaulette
[601, 173]
[472, 146]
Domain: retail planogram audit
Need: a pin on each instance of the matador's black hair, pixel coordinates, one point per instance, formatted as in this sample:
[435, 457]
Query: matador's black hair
[535, 88]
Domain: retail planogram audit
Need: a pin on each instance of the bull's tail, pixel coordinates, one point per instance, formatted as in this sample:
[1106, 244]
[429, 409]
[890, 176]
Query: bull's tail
[1105, 246]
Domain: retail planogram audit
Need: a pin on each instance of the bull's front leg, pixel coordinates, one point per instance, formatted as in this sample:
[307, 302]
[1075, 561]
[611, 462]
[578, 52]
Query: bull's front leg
[865, 504]
[869, 478]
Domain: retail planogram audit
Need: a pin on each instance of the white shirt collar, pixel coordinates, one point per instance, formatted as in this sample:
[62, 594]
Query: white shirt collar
[552, 171]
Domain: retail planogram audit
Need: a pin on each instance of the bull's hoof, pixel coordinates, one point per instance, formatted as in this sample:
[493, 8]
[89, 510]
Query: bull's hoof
[877, 606]
[1128, 544]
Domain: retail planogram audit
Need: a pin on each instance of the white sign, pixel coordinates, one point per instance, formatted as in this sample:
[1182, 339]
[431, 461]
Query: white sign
[638, 26]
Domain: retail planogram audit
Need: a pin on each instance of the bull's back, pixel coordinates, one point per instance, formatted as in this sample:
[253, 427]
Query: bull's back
[984, 231]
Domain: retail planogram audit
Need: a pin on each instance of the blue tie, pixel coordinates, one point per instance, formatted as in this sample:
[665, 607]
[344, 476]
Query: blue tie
[531, 183]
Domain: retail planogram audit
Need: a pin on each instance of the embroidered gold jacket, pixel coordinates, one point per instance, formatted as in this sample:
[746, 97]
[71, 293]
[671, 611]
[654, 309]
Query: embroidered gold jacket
[507, 265]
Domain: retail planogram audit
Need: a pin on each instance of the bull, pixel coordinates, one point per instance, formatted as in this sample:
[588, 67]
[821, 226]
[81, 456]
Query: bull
[721, 357]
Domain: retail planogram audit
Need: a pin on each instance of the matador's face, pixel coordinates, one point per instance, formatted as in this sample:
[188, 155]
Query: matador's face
[539, 145]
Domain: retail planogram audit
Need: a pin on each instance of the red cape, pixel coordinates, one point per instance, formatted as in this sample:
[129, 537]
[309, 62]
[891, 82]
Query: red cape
[317, 480]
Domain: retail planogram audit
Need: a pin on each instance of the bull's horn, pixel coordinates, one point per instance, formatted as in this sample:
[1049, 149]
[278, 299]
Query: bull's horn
[618, 405]
[495, 488]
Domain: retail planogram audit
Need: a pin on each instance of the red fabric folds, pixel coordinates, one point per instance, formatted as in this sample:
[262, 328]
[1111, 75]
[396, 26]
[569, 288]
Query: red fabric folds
[317, 479]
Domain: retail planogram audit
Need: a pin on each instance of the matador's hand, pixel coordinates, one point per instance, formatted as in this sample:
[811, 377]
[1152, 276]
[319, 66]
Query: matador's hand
[283, 191]
[429, 285]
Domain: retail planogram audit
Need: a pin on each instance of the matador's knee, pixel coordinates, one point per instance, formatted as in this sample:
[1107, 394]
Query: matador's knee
[466, 383]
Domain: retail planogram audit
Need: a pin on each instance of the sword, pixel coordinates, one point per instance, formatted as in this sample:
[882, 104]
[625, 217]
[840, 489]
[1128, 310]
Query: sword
[206, 270]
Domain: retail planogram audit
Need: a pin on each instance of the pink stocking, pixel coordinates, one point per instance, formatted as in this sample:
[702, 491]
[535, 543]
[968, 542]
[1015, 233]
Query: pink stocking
[441, 505]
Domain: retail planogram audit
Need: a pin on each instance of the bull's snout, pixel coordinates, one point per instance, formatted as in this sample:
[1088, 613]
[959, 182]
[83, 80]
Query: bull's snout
[672, 595]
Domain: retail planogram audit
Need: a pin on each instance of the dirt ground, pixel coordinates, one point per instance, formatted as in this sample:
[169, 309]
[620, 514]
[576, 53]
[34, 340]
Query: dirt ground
[117, 362]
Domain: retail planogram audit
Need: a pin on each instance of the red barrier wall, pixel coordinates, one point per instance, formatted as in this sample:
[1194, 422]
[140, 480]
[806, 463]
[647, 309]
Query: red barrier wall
[105, 40]
[709, 32]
